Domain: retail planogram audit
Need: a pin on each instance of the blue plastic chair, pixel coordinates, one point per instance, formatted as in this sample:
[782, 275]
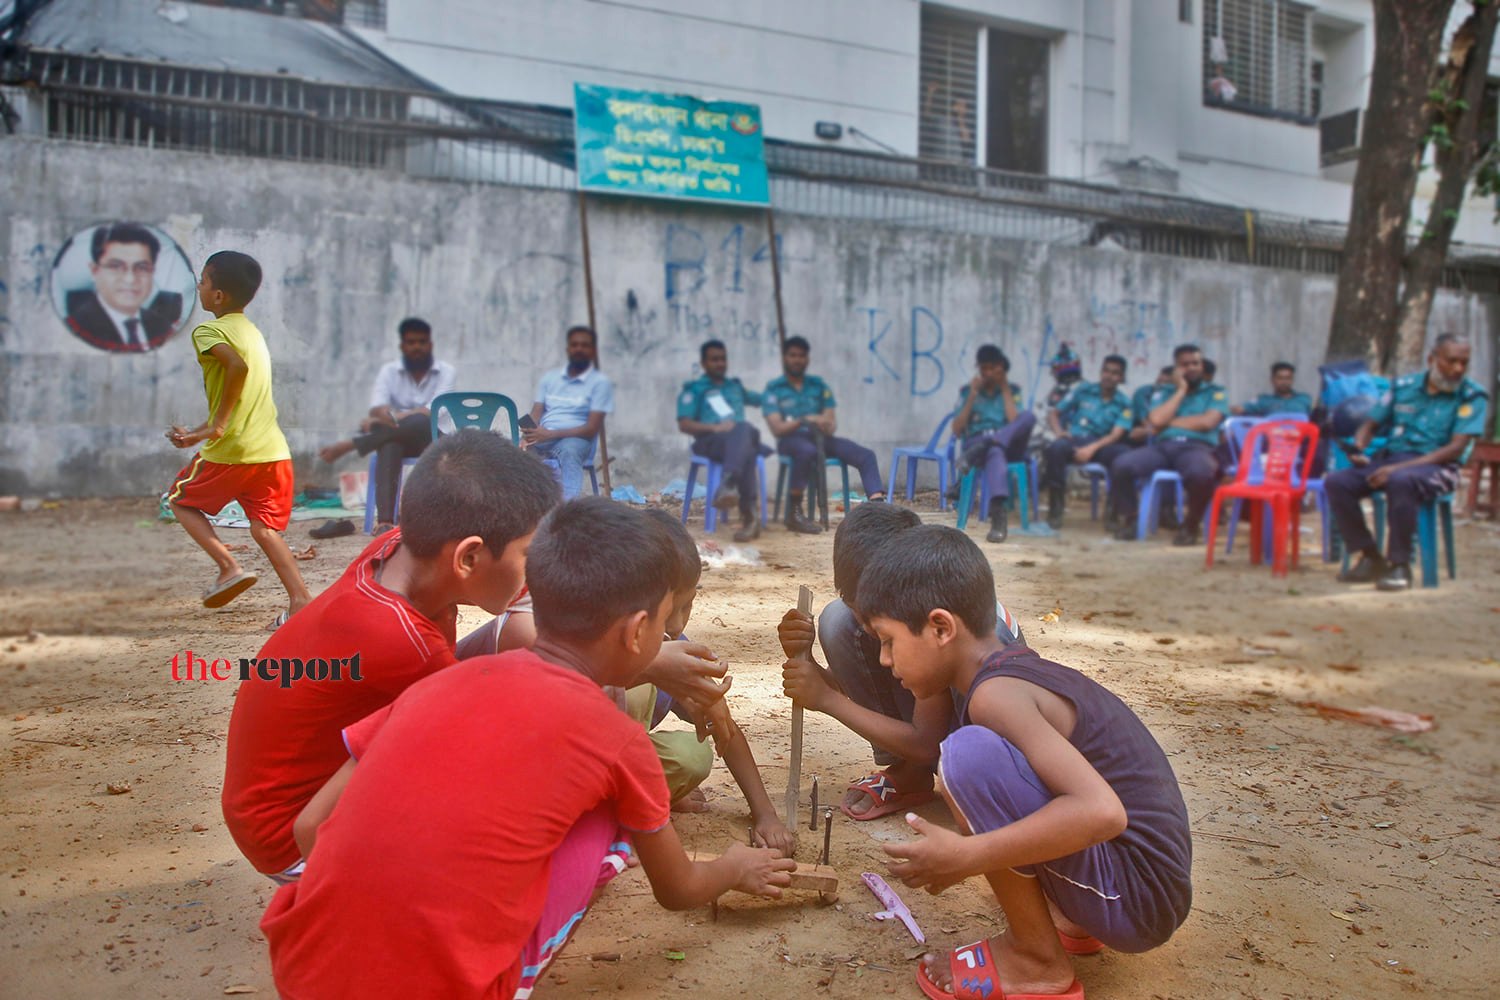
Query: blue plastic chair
[919, 453]
[784, 467]
[1148, 514]
[475, 409]
[1233, 432]
[1031, 483]
[1020, 487]
[1095, 473]
[406, 463]
[712, 477]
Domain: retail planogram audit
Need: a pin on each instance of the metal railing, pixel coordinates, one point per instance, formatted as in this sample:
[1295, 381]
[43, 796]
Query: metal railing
[442, 136]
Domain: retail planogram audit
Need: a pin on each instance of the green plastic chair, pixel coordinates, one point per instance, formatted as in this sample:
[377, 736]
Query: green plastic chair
[475, 409]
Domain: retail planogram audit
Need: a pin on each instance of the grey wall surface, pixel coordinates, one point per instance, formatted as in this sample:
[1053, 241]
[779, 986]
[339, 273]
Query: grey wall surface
[894, 315]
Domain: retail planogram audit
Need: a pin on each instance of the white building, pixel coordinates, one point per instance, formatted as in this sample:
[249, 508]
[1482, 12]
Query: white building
[1243, 102]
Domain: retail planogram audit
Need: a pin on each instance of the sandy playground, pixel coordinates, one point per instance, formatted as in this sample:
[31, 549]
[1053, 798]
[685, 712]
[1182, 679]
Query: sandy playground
[1332, 859]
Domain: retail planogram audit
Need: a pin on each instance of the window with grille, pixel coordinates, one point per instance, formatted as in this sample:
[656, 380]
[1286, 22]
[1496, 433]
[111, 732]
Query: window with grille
[365, 13]
[1257, 57]
[948, 69]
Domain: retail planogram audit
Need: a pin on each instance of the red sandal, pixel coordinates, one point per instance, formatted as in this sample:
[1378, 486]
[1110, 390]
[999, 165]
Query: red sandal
[975, 977]
[887, 800]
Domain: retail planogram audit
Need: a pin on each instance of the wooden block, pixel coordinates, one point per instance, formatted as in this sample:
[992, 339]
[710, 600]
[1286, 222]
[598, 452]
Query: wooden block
[819, 878]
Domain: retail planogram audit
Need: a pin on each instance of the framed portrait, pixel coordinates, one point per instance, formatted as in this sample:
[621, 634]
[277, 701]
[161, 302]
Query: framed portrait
[122, 286]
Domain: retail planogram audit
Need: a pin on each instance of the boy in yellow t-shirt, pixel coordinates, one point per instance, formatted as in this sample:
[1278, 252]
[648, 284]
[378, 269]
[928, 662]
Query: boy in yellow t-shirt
[246, 457]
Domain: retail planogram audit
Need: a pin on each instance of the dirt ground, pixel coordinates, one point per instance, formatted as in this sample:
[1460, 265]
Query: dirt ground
[1332, 859]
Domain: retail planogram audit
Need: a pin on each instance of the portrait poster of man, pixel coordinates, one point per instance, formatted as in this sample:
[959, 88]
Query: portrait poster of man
[122, 286]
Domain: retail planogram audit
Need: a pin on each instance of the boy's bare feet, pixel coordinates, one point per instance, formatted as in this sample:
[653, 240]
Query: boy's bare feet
[335, 451]
[692, 802]
[1019, 972]
[904, 776]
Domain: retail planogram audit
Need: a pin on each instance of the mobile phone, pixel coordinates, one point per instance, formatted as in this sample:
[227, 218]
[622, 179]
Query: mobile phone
[526, 423]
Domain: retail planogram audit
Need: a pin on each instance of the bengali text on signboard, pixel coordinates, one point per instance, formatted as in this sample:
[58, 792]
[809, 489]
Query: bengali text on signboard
[669, 146]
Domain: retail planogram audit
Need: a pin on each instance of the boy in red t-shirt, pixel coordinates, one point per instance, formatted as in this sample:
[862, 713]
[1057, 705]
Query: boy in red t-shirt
[245, 457]
[482, 810]
[467, 515]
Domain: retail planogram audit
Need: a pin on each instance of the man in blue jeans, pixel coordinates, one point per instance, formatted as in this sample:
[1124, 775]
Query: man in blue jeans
[569, 410]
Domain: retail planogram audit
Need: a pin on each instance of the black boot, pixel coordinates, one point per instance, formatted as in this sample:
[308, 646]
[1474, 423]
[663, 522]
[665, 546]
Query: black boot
[1054, 507]
[1397, 576]
[749, 527]
[999, 522]
[728, 496]
[1370, 566]
[795, 522]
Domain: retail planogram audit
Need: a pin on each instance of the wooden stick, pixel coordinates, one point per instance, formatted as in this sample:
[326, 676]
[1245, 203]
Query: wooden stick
[601, 463]
[794, 773]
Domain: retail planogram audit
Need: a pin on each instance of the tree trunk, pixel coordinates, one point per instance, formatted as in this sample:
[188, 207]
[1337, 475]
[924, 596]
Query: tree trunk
[1466, 75]
[1408, 36]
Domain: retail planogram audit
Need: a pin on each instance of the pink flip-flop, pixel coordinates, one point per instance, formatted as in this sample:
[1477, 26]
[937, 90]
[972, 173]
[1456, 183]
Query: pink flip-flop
[887, 800]
[975, 977]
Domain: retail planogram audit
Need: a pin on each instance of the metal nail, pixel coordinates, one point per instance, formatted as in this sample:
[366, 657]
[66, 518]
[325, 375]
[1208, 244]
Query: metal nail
[812, 819]
[827, 832]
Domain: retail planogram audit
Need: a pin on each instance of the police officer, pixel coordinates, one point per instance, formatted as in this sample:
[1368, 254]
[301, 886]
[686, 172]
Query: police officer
[797, 406]
[711, 409]
[1429, 419]
[1137, 431]
[1089, 422]
[993, 431]
[1283, 397]
[1185, 418]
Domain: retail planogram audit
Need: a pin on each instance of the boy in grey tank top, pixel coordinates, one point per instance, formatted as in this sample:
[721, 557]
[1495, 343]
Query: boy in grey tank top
[1067, 804]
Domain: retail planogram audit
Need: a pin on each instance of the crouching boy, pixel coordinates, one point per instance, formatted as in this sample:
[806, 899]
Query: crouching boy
[481, 810]
[1066, 803]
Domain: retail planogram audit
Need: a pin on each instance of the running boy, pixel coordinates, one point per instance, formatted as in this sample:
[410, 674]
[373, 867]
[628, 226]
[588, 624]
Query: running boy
[467, 515]
[1068, 806]
[904, 731]
[246, 457]
[481, 811]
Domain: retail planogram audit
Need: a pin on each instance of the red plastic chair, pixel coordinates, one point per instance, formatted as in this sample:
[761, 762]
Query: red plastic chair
[1274, 450]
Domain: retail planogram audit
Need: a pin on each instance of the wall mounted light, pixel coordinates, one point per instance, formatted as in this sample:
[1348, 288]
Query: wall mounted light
[828, 130]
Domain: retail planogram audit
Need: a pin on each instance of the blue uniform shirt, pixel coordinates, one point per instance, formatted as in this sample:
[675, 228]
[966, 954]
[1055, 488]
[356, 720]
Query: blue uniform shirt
[1268, 403]
[567, 400]
[781, 398]
[1086, 413]
[1208, 396]
[989, 409]
[1140, 405]
[710, 402]
[1417, 421]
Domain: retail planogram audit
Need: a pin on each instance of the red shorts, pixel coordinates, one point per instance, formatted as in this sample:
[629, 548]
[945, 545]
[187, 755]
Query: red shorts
[264, 490]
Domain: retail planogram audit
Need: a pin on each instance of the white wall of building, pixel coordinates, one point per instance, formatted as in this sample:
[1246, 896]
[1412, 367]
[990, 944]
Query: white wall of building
[1126, 78]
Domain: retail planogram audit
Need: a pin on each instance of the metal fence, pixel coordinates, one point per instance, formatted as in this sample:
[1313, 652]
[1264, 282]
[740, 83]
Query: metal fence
[441, 136]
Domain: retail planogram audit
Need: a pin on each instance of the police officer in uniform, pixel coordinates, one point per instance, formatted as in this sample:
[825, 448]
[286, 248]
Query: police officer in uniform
[1185, 418]
[711, 409]
[993, 431]
[1088, 425]
[1283, 397]
[1429, 418]
[797, 405]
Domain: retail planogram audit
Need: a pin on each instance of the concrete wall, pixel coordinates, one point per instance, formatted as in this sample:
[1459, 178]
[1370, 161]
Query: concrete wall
[894, 314]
